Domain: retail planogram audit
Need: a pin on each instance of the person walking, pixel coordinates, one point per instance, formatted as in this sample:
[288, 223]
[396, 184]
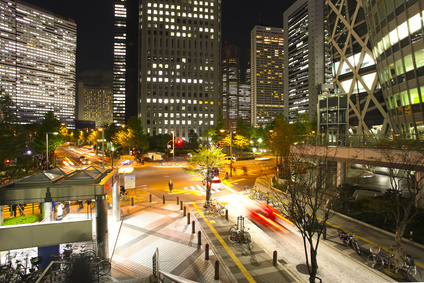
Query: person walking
[59, 211]
[68, 206]
[171, 185]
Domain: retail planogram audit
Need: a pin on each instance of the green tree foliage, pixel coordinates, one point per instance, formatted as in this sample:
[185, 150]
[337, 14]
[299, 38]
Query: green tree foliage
[94, 138]
[12, 135]
[241, 142]
[280, 138]
[243, 129]
[49, 124]
[193, 139]
[138, 137]
[206, 158]
[160, 142]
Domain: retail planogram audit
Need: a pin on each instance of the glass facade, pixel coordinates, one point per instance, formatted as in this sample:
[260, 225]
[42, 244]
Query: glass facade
[307, 66]
[37, 62]
[396, 33]
[354, 75]
[230, 85]
[267, 80]
[98, 105]
[180, 63]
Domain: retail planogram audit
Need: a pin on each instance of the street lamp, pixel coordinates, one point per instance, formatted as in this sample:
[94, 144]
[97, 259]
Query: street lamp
[231, 151]
[173, 147]
[103, 147]
[113, 151]
[47, 147]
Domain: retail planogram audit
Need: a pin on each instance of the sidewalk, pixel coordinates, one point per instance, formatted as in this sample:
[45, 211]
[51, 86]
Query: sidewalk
[150, 226]
[242, 264]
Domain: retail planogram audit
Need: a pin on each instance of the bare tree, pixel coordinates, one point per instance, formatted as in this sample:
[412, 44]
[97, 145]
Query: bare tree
[309, 197]
[404, 159]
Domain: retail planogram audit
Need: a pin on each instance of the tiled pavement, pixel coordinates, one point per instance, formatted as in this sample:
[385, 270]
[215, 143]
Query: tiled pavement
[242, 264]
[151, 226]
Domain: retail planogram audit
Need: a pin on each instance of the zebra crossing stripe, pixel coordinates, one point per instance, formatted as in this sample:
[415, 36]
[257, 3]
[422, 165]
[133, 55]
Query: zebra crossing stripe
[201, 188]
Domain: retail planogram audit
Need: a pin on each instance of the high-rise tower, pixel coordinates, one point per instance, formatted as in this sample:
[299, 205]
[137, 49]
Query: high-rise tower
[37, 61]
[267, 80]
[179, 65]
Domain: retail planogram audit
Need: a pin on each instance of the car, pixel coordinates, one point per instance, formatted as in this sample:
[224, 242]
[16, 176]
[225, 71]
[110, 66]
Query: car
[215, 183]
[84, 160]
[228, 160]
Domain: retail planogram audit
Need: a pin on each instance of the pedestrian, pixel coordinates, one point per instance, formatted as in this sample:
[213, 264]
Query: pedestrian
[59, 211]
[245, 170]
[54, 206]
[80, 203]
[68, 206]
[13, 210]
[171, 185]
[226, 175]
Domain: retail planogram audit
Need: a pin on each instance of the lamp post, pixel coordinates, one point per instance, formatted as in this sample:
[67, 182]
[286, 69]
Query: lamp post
[173, 147]
[231, 151]
[47, 147]
[103, 147]
[113, 151]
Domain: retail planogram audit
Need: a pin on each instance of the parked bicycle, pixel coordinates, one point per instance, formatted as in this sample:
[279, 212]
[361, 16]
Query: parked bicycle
[101, 266]
[349, 240]
[377, 259]
[215, 208]
[241, 236]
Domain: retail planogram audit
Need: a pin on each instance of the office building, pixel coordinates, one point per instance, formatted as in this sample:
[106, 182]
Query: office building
[396, 34]
[306, 65]
[230, 85]
[356, 104]
[95, 103]
[37, 61]
[267, 81]
[179, 66]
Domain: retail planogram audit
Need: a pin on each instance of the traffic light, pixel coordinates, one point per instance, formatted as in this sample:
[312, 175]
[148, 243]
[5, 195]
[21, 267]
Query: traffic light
[178, 142]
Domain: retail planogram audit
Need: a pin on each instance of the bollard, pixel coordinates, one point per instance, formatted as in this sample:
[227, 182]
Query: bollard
[178, 200]
[410, 235]
[163, 199]
[199, 238]
[324, 232]
[226, 214]
[207, 252]
[193, 228]
[274, 258]
[132, 201]
[216, 270]
[181, 205]
[184, 211]
[150, 198]
[188, 218]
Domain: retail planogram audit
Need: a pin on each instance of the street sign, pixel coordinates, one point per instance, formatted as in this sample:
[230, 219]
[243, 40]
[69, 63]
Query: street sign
[129, 181]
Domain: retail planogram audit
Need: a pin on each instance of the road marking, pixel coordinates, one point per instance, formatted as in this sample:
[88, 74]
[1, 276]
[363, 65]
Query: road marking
[226, 247]
[201, 188]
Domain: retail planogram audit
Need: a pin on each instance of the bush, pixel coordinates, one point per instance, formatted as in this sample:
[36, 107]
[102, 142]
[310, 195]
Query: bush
[27, 219]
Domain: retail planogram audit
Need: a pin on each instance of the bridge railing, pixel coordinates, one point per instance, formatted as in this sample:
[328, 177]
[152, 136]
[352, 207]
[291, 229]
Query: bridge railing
[361, 141]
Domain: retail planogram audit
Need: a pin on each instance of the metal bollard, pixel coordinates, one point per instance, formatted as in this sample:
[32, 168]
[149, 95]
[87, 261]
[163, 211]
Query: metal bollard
[185, 213]
[188, 218]
[216, 270]
[226, 214]
[207, 252]
[324, 232]
[274, 258]
[181, 205]
[178, 200]
[150, 198]
[132, 201]
[193, 227]
[163, 199]
[199, 238]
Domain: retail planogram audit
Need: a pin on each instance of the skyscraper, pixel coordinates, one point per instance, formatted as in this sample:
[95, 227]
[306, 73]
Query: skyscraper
[306, 70]
[179, 65]
[396, 35]
[95, 104]
[37, 61]
[230, 85]
[267, 80]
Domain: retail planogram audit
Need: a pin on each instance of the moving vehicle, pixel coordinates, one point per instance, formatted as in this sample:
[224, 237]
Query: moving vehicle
[228, 160]
[84, 160]
[215, 183]
[127, 164]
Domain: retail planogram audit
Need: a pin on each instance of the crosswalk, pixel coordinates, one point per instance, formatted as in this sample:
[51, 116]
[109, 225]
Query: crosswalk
[200, 188]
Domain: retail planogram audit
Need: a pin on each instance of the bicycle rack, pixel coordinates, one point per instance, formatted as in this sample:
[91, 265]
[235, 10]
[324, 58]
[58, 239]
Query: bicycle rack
[240, 222]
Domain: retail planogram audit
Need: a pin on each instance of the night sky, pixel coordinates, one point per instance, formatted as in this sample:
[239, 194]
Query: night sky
[94, 19]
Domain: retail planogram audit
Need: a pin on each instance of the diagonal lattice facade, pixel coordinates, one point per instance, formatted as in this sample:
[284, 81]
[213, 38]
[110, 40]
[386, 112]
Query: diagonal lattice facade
[354, 69]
